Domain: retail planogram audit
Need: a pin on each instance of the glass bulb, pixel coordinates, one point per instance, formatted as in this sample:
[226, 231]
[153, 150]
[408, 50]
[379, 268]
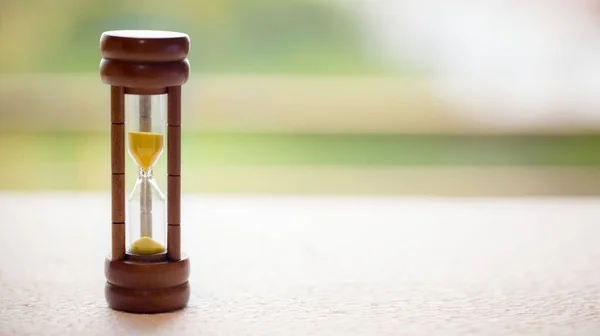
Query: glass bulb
[146, 215]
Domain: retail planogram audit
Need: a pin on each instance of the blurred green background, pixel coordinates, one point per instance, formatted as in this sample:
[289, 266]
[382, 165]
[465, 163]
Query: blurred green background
[306, 97]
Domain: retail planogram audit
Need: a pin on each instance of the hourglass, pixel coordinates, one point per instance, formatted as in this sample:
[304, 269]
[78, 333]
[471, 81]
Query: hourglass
[146, 271]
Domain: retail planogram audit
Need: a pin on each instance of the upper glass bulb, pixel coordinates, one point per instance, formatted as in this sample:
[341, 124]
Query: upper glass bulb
[145, 128]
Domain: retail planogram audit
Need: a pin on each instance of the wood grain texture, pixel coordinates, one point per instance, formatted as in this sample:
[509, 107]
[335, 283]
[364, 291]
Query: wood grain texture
[174, 241]
[145, 91]
[144, 75]
[158, 257]
[300, 266]
[117, 154]
[117, 241]
[117, 105]
[174, 150]
[173, 199]
[174, 105]
[117, 148]
[146, 275]
[174, 172]
[148, 301]
[118, 198]
[144, 46]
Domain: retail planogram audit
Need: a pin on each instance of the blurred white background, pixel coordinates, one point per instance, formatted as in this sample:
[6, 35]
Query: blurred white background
[508, 62]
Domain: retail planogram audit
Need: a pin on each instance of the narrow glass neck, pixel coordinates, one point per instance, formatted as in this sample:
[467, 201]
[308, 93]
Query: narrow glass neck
[146, 172]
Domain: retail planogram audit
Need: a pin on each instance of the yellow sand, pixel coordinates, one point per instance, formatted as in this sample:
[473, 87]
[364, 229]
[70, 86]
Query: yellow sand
[147, 245]
[145, 148]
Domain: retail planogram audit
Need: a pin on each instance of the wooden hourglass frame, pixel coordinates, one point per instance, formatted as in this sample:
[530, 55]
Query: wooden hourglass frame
[146, 64]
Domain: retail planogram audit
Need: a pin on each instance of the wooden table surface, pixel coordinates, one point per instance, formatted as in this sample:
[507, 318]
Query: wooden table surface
[317, 266]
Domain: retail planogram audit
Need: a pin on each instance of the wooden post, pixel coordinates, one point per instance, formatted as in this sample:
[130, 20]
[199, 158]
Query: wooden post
[117, 150]
[174, 173]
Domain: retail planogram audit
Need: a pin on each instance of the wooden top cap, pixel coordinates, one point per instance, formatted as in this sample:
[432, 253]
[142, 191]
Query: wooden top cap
[144, 45]
[144, 59]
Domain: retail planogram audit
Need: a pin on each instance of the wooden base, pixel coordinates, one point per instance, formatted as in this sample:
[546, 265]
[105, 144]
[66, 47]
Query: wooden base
[147, 301]
[147, 287]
